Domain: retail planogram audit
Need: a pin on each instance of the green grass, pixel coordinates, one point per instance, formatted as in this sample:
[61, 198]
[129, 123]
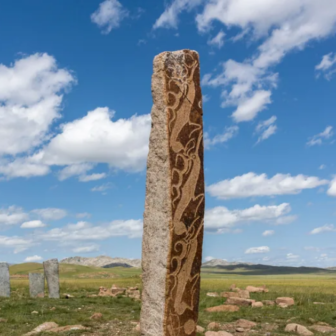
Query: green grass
[82, 281]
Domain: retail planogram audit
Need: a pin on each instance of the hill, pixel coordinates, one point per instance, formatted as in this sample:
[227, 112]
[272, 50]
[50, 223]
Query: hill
[222, 262]
[102, 261]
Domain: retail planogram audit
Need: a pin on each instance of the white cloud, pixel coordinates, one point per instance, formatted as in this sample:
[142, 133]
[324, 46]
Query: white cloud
[285, 220]
[51, 213]
[168, 18]
[205, 98]
[33, 224]
[324, 228]
[332, 188]
[280, 26]
[31, 93]
[84, 231]
[22, 167]
[102, 187]
[17, 243]
[92, 177]
[229, 133]
[86, 249]
[327, 67]
[34, 258]
[268, 233]
[218, 40]
[266, 128]
[220, 219]
[109, 15]
[255, 250]
[83, 215]
[12, 215]
[95, 138]
[322, 166]
[319, 138]
[291, 256]
[251, 184]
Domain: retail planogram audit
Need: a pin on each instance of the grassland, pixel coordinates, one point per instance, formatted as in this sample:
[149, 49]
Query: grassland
[81, 281]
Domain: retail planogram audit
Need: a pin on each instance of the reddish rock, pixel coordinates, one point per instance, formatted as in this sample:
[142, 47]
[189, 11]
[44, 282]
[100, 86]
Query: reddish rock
[287, 300]
[222, 308]
[96, 316]
[299, 329]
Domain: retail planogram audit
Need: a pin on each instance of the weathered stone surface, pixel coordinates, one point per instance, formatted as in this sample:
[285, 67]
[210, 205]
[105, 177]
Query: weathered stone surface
[4, 280]
[287, 300]
[51, 271]
[42, 327]
[239, 301]
[257, 304]
[214, 326]
[217, 333]
[174, 206]
[253, 289]
[243, 294]
[36, 285]
[222, 308]
[323, 329]
[246, 324]
[200, 329]
[299, 329]
[269, 302]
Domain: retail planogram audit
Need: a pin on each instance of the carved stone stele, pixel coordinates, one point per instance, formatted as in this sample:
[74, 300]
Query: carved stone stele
[174, 208]
[4, 280]
[36, 285]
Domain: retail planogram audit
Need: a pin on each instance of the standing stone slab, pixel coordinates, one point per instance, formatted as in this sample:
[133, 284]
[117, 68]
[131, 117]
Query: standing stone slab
[4, 280]
[174, 207]
[52, 275]
[36, 285]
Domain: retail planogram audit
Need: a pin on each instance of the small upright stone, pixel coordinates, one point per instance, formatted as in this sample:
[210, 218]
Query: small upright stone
[51, 271]
[4, 280]
[36, 285]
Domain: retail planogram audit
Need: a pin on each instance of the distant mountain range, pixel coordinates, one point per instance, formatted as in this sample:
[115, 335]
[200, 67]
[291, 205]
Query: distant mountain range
[103, 261]
[220, 264]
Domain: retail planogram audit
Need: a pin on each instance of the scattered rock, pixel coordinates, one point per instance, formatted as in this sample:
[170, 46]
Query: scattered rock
[243, 294]
[257, 305]
[133, 293]
[268, 302]
[212, 294]
[217, 333]
[222, 308]
[322, 328]
[200, 329]
[34, 312]
[68, 328]
[253, 289]
[114, 291]
[240, 329]
[239, 301]
[2, 320]
[53, 308]
[137, 328]
[246, 324]
[299, 329]
[214, 326]
[311, 320]
[43, 327]
[96, 316]
[283, 305]
[318, 303]
[287, 300]
[269, 326]
[233, 287]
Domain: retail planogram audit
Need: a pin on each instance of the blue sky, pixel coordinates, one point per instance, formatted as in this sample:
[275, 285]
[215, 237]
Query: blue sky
[75, 101]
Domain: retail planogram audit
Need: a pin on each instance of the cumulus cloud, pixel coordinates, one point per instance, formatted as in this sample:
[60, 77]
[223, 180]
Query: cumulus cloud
[221, 219]
[251, 184]
[268, 233]
[228, 134]
[332, 188]
[18, 244]
[266, 128]
[109, 15]
[324, 228]
[169, 18]
[218, 40]
[280, 26]
[92, 177]
[327, 67]
[51, 213]
[33, 224]
[318, 139]
[292, 256]
[86, 249]
[34, 258]
[31, 94]
[12, 215]
[256, 250]
[84, 231]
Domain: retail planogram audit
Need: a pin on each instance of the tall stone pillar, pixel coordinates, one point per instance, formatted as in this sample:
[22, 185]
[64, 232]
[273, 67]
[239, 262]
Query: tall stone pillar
[51, 272]
[4, 280]
[174, 207]
[36, 285]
